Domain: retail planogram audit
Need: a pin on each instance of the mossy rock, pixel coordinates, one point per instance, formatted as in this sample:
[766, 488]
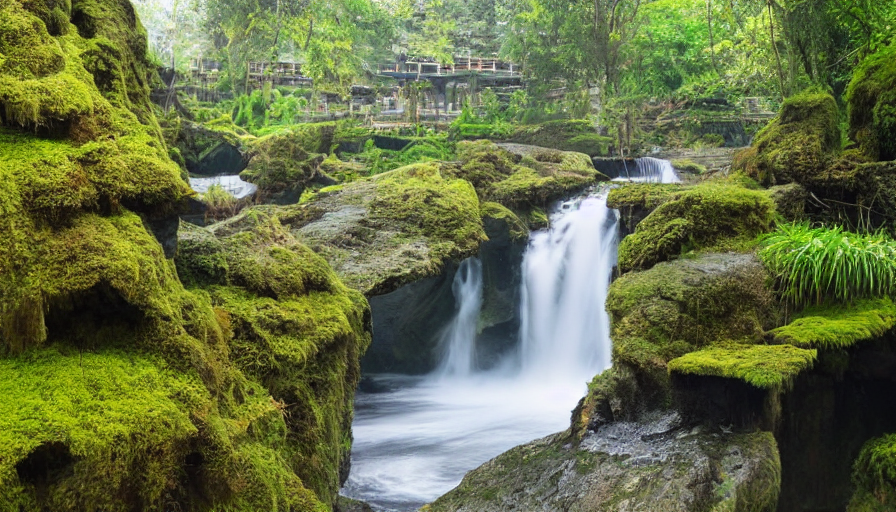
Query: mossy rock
[705, 216]
[875, 476]
[682, 306]
[797, 144]
[790, 201]
[578, 135]
[839, 326]
[690, 166]
[871, 102]
[854, 192]
[635, 201]
[763, 366]
[627, 467]
[382, 232]
[284, 163]
[523, 178]
[295, 327]
[129, 392]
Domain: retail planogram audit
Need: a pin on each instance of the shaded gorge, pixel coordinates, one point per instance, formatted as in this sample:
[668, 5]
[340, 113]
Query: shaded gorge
[491, 382]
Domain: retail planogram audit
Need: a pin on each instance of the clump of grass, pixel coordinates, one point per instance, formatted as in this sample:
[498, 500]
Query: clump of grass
[220, 203]
[815, 265]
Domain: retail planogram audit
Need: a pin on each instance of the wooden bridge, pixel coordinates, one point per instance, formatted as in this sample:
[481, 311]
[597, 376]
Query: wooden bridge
[461, 66]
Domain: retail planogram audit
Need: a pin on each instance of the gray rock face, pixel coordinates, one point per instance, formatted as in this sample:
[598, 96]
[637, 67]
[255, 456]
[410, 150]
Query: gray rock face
[657, 464]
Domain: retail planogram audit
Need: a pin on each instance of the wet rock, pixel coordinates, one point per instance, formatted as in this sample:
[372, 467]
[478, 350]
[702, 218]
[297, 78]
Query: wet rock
[655, 464]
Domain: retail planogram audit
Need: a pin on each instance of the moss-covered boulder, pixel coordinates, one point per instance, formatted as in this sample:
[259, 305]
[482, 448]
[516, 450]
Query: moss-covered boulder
[636, 201]
[523, 178]
[875, 476]
[126, 390]
[658, 464]
[295, 328]
[681, 306]
[386, 231]
[702, 217]
[578, 135]
[871, 100]
[283, 164]
[798, 144]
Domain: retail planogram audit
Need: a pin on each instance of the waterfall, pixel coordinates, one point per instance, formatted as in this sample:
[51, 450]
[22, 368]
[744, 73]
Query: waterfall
[458, 340]
[566, 273]
[417, 436]
[649, 170]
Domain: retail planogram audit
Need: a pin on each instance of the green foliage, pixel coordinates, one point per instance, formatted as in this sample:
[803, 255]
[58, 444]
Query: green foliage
[421, 149]
[839, 326]
[708, 215]
[874, 474]
[871, 98]
[763, 366]
[814, 265]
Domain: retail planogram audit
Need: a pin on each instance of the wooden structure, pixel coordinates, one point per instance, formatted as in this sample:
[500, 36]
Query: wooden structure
[462, 65]
[277, 73]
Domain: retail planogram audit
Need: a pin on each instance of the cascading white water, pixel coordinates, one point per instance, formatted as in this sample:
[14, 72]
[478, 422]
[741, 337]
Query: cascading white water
[649, 170]
[566, 272]
[458, 340]
[415, 440]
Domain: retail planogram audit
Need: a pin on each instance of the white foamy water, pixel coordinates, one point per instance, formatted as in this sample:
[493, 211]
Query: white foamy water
[649, 170]
[457, 342]
[231, 183]
[418, 436]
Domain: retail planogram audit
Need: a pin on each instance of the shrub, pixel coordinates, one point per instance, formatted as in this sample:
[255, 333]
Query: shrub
[818, 264]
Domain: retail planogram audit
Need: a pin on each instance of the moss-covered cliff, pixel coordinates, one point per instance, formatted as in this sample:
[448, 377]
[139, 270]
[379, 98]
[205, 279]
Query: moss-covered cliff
[125, 389]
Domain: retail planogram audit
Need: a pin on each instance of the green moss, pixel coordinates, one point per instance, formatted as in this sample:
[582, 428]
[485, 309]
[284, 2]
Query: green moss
[839, 326]
[798, 144]
[445, 211]
[517, 228]
[577, 135]
[871, 100]
[526, 178]
[679, 307]
[705, 216]
[102, 424]
[125, 393]
[763, 366]
[688, 165]
[288, 159]
[874, 474]
[295, 327]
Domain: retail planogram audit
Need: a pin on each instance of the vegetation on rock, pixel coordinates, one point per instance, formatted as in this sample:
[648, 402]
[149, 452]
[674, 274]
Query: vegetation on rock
[798, 144]
[814, 265]
[702, 217]
[839, 326]
[763, 366]
[875, 476]
[871, 98]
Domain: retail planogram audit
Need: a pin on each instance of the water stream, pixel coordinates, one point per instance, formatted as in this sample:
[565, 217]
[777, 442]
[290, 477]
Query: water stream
[416, 438]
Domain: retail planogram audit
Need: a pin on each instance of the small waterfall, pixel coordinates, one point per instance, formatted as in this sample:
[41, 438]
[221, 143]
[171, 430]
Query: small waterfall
[458, 340]
[649, 170]
[566, 273]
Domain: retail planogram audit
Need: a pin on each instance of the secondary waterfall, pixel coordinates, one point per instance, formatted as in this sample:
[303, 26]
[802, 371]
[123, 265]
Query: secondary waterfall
[418, 436]
[458, 341]
[566, 273]
[648, 170]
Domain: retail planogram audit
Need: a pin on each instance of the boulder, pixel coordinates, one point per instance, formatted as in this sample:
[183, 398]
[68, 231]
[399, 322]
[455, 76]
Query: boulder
[655, 464]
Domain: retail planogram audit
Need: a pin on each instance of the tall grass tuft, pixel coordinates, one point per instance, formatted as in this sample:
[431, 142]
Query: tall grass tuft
[815, 265]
